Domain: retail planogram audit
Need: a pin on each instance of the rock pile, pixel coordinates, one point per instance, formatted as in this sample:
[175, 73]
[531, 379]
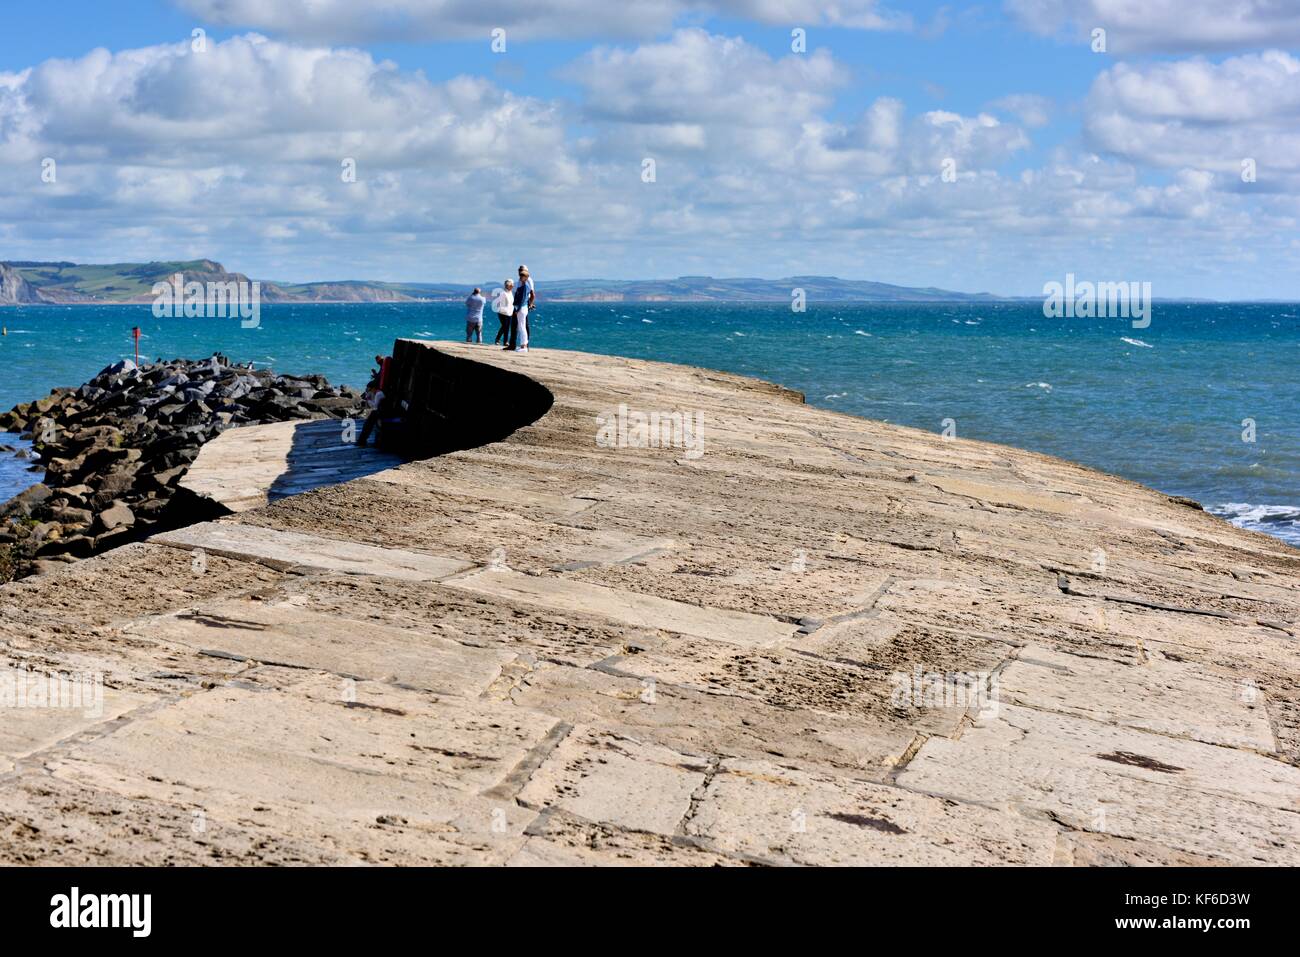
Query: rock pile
[115, 449]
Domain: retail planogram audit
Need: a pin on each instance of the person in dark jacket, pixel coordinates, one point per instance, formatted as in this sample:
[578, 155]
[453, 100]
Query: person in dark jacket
[525, 297]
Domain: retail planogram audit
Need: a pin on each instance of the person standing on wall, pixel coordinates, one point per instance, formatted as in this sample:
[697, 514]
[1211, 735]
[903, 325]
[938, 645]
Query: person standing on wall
[474, 316]
[524, 300]
[504, 304]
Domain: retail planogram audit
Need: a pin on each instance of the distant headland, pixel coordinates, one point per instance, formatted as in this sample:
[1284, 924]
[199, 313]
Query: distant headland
[63, 283]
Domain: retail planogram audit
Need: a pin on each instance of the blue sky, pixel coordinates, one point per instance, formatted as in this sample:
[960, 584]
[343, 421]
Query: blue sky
[975, 147]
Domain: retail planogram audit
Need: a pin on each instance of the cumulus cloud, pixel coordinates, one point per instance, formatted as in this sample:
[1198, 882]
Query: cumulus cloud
[1202, 115]
[697, 77]
[736, 106]
[351, 21]
[258, 100]
[1166, 25]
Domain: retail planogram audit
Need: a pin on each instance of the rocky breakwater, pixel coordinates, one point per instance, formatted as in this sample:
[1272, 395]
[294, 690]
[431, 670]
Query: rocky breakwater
[115, 449]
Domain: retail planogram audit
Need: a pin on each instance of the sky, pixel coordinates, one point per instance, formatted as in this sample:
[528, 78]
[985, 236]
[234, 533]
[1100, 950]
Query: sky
[977, 147]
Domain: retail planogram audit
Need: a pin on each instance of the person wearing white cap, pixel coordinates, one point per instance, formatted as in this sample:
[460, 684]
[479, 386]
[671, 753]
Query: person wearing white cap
[524, 299]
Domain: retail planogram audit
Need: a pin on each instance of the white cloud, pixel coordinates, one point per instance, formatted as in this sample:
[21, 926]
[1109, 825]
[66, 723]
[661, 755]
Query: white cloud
[1202, 115]
[251, 100]
[696, 77]
[358, 21]
[737, 107]
[1167, 25]
[1032, 110]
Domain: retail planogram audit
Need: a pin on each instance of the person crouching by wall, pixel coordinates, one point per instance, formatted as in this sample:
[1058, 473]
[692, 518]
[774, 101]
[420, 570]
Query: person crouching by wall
[504, 304]
[374, 398]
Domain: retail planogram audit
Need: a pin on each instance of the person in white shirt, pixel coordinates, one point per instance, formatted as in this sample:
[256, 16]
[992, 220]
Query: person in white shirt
[504, 304]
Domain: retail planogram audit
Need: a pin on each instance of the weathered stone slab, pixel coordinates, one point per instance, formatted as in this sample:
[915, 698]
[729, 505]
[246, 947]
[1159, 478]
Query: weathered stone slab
[292, 549]
[1091, 849]
[238, 467]
[1159, 695]
[782, 679]
[601, 547]
[289, 633]
[562, 594]
[698, 723]
[558, 839]
[1010, 495]
[390, 752]
[246, 467]
[617, 780]
[764, 810]
[37, 713]
[553, 503]
[56, 820]
[1026, 741]
[136, 579]
[1199, 798]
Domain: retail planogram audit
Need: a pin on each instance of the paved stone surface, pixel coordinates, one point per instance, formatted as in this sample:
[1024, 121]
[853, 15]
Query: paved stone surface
[289, 633]
[1156, 694]
[617, 780]
[823, 640]
[779, 814]
[248, 467]
[294, 550]
[1222, 803]
[48, 709]
[619, 604]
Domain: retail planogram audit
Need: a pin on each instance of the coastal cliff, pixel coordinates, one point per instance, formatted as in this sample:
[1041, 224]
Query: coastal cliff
[14, 289]
[668, 616]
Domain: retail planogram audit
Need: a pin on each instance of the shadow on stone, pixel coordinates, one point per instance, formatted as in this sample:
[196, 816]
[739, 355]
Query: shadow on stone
[320, 454]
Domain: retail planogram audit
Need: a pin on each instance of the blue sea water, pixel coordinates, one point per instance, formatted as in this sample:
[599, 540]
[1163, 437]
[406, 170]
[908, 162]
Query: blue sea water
[1165, 405]
[16, 471]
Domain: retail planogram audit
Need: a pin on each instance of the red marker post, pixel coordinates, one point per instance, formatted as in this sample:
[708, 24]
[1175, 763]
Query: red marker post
[135, 332]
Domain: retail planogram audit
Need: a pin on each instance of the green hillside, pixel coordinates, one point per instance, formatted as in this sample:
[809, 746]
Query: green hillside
[112, 282]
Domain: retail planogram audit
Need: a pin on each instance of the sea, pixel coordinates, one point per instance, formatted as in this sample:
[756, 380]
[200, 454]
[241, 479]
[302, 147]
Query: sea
[1204, 402]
